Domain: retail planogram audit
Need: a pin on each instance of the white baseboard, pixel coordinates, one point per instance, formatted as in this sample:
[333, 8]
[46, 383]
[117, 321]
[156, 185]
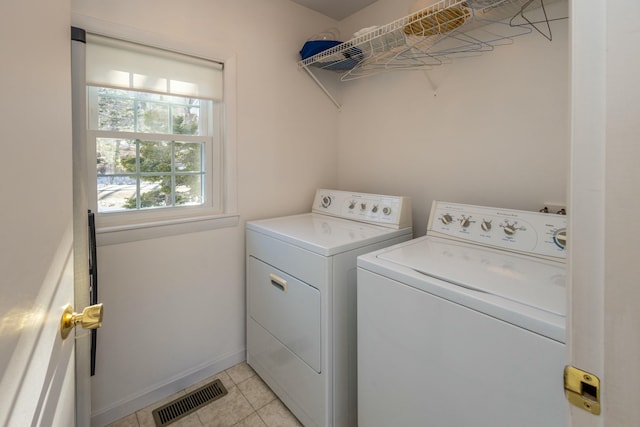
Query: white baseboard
[151, 395]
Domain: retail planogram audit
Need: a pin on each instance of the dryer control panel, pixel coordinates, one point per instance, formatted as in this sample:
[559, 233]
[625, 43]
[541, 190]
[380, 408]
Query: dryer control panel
[389, 211]
[526, 232]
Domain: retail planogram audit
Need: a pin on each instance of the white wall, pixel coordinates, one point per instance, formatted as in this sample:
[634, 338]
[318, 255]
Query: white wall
[491, 129]
[174, 306]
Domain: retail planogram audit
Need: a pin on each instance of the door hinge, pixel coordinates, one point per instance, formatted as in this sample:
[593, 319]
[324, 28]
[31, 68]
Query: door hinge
[582, 389]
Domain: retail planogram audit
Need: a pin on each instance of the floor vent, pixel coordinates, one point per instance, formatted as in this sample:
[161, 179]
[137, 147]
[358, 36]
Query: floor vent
[185, 405]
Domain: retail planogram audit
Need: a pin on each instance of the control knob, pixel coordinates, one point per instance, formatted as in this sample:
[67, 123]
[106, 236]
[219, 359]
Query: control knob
[465, 221]
[363, 206]
[374, 209]
[386, 210]
[326, 201]
[560, 238]
[510, 229]
[486, 225]
[352, 204]
[446, 219]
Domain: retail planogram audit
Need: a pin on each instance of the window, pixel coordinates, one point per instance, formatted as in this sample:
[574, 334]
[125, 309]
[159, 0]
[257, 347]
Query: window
[155, 134]
[151, 149]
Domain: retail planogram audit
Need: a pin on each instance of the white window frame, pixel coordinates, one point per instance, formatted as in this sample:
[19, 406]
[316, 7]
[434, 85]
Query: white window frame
[212, 165]
[128, 226]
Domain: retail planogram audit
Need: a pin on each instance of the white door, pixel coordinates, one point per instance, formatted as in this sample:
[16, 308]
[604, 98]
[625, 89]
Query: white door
[604, 206]
[37, 367]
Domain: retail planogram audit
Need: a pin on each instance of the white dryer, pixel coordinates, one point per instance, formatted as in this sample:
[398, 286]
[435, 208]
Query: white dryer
[466, 325]
[301, 298]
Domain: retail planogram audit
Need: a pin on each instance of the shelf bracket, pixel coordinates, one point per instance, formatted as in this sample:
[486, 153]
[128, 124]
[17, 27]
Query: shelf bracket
[324, 89]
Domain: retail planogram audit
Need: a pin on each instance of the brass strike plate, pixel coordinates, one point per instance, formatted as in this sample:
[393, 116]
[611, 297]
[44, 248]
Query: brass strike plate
[582, 389]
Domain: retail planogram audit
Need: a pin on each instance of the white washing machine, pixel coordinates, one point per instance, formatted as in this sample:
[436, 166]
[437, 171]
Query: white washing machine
[301, 298]
[466, 325]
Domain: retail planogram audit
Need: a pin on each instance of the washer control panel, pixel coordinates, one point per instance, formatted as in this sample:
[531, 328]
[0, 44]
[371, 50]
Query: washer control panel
[388, 211]
[531, 233]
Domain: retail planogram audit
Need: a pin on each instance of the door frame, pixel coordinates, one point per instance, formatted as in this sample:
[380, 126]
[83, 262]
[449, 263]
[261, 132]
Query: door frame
[604, 239]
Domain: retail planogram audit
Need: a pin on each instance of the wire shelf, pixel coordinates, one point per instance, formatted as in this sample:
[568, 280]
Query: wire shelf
[433, 36]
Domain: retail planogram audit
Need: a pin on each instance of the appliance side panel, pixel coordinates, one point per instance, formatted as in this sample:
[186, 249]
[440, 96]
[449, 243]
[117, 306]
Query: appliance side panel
[344, 332]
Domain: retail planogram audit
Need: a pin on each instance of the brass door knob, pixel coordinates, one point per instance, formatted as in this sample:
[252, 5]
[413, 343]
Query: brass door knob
[90, 318]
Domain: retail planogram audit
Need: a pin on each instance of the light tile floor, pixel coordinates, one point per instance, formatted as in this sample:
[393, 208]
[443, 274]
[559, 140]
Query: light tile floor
[248, 403]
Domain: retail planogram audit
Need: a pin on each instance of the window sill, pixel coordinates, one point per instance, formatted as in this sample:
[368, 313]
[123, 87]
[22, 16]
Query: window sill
[113, 235]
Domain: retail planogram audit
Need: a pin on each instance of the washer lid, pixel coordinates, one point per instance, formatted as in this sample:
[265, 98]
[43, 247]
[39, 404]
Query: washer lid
[323, 234]
[527, 280]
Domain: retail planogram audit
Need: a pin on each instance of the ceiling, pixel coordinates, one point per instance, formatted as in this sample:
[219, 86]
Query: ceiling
[336, 9]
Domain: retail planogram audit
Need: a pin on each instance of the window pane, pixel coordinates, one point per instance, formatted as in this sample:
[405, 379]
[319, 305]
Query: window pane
[133, 111]
[186, 118]
[188, 156]
[115, 110]
[153, 117]
[115, 155]
[189, 190]
[115, 193]
[155, 156]
[155, 191]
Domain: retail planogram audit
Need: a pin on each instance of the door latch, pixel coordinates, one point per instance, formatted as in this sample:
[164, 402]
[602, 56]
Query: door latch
[582, 389]
[90, 318]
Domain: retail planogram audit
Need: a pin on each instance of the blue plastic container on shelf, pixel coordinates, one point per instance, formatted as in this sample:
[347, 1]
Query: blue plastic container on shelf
[313, 47]
[352, 55]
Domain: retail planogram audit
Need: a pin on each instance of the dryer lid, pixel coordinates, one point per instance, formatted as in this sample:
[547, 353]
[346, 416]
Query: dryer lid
[524, 279]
